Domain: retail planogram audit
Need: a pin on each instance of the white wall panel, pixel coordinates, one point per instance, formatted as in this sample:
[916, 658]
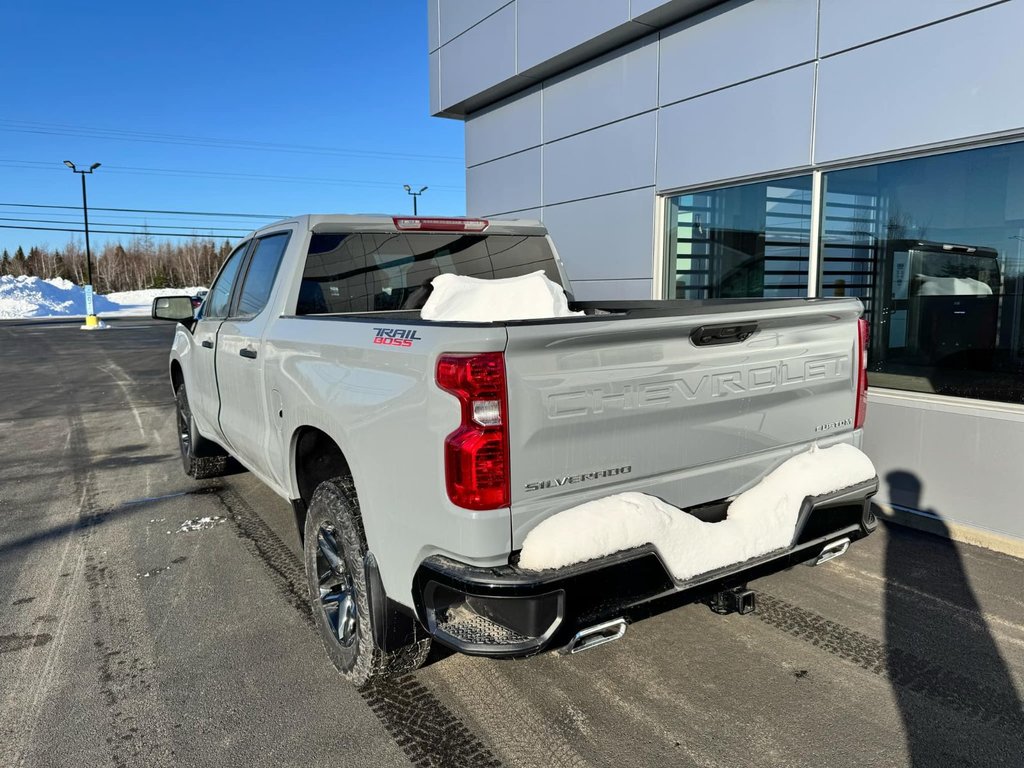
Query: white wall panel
[619, 85]
[433, 28]
[732, 42]
[548, 28]
[961, 454]
[510, 184]
[603, 238]
[459, 15]
[512, 126]
[613, 158]
[845, 24]
[479, 59]
[923, 87]
[435, 82]
[757, 127]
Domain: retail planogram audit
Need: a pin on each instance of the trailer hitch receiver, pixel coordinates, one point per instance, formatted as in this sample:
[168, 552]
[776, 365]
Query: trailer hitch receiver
[736, 600]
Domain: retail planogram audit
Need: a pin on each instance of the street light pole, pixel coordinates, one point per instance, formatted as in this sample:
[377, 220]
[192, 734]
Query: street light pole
[91, 321]
[415, 195]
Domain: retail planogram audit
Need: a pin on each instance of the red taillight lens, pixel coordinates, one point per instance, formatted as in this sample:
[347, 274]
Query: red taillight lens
[862, 373]
[476, 454]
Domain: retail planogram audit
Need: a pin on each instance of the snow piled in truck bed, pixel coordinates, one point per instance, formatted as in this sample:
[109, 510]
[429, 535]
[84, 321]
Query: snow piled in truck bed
[470, 299]
[23, 296]
[760, 520]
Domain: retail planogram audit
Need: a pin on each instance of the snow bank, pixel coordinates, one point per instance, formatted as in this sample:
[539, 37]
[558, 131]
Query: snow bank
[470, 299]
[759, 520]
[952, 286]
[33, 297]
[22, 297]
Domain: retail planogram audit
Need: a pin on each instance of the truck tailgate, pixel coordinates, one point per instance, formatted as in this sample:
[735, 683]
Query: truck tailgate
[600, 406]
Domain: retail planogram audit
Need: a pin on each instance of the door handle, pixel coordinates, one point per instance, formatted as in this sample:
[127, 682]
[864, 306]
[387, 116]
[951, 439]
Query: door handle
[249, 353]
[208, 344]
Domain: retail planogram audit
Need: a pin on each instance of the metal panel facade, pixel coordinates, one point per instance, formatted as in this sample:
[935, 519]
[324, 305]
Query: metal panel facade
[456, 16]
[626, 152]
[845, 24]
[728, 45]
[928, 93]
[509, 127]
[611, 88]
[547, 29]
[509, 184]
[602, 234]
[738, 92]
[760, 126]
[479, 58]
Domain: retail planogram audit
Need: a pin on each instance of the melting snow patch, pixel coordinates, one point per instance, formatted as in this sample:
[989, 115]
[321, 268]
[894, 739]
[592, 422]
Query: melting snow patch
[470, 299]
[199, 523]
[760, 520]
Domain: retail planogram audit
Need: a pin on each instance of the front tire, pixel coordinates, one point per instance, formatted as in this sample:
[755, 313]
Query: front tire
[335, 548]
[214, 461]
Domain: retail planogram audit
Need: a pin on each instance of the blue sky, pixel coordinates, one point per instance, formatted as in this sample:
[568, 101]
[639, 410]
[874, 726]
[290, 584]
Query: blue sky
[252, 107]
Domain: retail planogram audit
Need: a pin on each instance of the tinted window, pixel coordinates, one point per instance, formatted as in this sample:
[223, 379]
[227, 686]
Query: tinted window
[392, 271]
[747, 241]
[219, 298]
[934, 247]
[259, 278]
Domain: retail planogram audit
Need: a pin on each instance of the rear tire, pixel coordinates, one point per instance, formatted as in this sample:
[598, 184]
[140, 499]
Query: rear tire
[199, 457]
[335, 551]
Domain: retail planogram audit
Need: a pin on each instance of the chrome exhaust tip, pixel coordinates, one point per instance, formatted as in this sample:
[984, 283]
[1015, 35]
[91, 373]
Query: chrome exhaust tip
[599, 634]
[832, 550]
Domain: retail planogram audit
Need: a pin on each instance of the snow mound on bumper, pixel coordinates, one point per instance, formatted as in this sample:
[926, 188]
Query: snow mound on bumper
[472, 300]
[759, 521]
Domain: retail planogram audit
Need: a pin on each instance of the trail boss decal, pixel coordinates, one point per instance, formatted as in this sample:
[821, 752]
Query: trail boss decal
[558, 482]
[395, 337]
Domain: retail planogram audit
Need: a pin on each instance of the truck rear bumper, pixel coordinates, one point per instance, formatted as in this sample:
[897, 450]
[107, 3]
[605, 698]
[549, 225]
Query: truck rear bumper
[510, 612]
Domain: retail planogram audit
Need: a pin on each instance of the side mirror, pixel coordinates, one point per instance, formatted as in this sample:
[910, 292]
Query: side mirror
[176, 308]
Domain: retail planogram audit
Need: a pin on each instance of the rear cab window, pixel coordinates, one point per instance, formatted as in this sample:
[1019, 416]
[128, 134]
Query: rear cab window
[391, 271]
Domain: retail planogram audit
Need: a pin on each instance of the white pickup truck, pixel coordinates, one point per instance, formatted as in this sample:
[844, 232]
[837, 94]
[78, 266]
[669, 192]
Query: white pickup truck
[420, 455]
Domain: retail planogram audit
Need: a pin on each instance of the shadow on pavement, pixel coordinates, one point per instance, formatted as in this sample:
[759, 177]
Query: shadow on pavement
[954, 691]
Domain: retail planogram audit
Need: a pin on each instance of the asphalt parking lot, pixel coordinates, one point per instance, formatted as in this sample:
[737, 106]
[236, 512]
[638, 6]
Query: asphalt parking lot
[149, 620]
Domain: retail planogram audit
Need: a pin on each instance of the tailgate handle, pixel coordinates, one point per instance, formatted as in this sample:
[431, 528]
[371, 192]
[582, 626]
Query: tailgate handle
[709, 335]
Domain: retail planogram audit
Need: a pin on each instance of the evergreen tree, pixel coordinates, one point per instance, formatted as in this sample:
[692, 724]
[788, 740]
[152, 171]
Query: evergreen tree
[20, 268]
[5, 263]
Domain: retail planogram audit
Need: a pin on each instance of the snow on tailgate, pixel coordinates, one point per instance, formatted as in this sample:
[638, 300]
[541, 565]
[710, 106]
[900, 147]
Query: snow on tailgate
[759, 521]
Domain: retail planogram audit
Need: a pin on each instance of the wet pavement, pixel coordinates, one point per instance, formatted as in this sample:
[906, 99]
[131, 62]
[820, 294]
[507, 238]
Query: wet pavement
[148, 620]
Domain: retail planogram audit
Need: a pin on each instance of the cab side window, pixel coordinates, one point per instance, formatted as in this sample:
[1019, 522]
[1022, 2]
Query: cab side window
[259, 277]
[219, 300]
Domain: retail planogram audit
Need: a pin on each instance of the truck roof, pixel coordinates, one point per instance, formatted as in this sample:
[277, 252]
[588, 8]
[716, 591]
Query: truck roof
[380, 222]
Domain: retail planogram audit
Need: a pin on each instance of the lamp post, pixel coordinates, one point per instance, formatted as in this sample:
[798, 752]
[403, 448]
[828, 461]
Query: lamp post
[91, 321]
[409, 191]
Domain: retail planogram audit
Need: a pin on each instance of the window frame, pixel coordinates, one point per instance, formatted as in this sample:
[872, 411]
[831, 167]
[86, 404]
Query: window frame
[664, 267]
[243, 273]
[244, 247]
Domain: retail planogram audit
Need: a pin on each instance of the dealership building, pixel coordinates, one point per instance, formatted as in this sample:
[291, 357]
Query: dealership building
[696, 149]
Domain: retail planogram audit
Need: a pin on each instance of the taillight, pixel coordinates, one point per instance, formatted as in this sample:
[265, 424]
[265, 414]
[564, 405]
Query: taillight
[862, 373]
[476, 454]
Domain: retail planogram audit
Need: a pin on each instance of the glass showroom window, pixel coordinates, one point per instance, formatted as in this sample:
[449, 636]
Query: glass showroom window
[934, 247]
[745, 241]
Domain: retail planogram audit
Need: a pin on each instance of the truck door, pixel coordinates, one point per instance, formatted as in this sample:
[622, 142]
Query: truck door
[240, 365]
[202, 388]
